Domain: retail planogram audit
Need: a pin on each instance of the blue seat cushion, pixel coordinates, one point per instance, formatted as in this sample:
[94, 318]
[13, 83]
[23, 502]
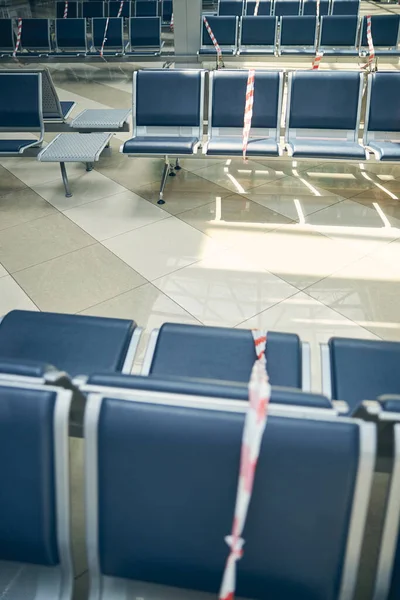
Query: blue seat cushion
[390, 403]
[212, 51]
[326, 149]
[15, 146]
[25, 368]
[76, 344]
[257, 51]
[297, 51]
[66, 107]
[387, 150]
[340, 52]
[160, 145]
[229, 145]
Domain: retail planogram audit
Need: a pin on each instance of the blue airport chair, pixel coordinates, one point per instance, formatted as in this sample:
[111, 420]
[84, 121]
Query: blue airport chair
[112, 30]
[114, 8]
[145, 35]
[225, 30]
[7, 41]
[385, 35]
[338, 35]
[345, 7]
[258, 35]
[90, 10]
[70, 36]
[287, 7]
[72, 10]
[297, 35]
[264, 8]
[230, 8]
[35, 35]
[146, 8]
[310, 7]
[382, 124]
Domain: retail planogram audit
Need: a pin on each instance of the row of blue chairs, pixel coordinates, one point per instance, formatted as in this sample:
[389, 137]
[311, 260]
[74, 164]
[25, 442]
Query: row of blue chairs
[161, 457]
[144, 35]
[333, 35]
[96, 8]
[279, 8]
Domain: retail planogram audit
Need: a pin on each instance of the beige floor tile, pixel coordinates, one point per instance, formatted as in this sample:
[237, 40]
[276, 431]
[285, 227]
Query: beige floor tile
[8, 182]
[291, 185]
[224, 289]
[312, 321]
[40, 240]
[22, 206]
[114, 215]
[3, 272]
[239, 176]
[286, 165]
[12, 297]
[341, 179]
[78, 280]
[201, 162]
[32, 172]
[162, 247]
[132, 173]
[294, 206]
[387, 208]
[85, 187]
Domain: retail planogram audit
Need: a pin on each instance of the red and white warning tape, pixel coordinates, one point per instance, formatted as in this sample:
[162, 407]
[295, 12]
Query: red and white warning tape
[214, 41]
[121, 6]
[318, 7]
[17, 45]
[171, 25]
[65, 9]
[256, 419]
[248, 110]
[317, 60]
[256, 8]
[105, 37]
[371, 48]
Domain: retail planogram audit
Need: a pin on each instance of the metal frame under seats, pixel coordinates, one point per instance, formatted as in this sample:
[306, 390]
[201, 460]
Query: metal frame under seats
[287, 7]
[345, 7]
[35, 35]
[70, 36]
[323, 115]
[225, 30]
[382, 120]
[90, 10]
[7, 41]
[258, 35]
[113, 9]
[297, 35]
[385, 35]
[141, 447]
[168, 108]
[387, 585]
[264, 7]
[145, 35]
[310, 7]
[147, 8]
[179, 350]
[227, 93]
[72, 10]
[338, 35]
[110, 29]
[35, 544]
[76, 344]
[232, 8]
[20, 112]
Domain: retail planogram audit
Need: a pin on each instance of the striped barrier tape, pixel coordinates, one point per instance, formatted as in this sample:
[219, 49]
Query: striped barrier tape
[254, 425]
[214, 41]
[248, 110]
[318, 8]
[19, 34]
[121, 6]
[65, 9]
[171, 25]
[371, 48]
[105, 37]
[317, 60]
[256, 8]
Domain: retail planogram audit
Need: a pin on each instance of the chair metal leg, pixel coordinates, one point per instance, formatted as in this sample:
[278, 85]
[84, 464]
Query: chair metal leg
[65, 180]
[166, 170]
[89, 167]
[177, 165]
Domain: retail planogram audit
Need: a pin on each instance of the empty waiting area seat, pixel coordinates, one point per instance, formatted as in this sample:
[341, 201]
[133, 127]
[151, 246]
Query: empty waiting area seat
[225, 30]
[108, 34]
[222, 353]
[145, 35]
[70, 36]
[286, 7]
[310, 7]
[230, 8]
[258, 35]
[382, 121]
[90, 10]
[323, 115]
[161, 474]
[35, 35]
[345, 7]
[7, 42]
[146, 8]
[35, 549]
[385, 34]
[264, 7]
[297, 35]
[226, 113]
[72, 9]
[338, 35]
[114, 9]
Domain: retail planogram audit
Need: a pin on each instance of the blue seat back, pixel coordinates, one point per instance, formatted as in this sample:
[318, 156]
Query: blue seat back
[91, 10]
[384, 30]
[168, 98]
[310, 7]
[6, 35]
[383, 115]
[224, 30]
[35, 34]
[168, 476]
[286, 7]
[71, 34]
[25, 368]
[230, 8]
[298, 31]
[336, 31]
[113, 34]
[222, 353]
[258, 31]
[324, 100]
[21, 102]
[76, 344]
[229, 93]
[363, 369]
[345, 7]
[167, 10]
[114, 7]
[146, 8]
[264, 7]
[28, 530]
[72, 13]
[145, 32]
